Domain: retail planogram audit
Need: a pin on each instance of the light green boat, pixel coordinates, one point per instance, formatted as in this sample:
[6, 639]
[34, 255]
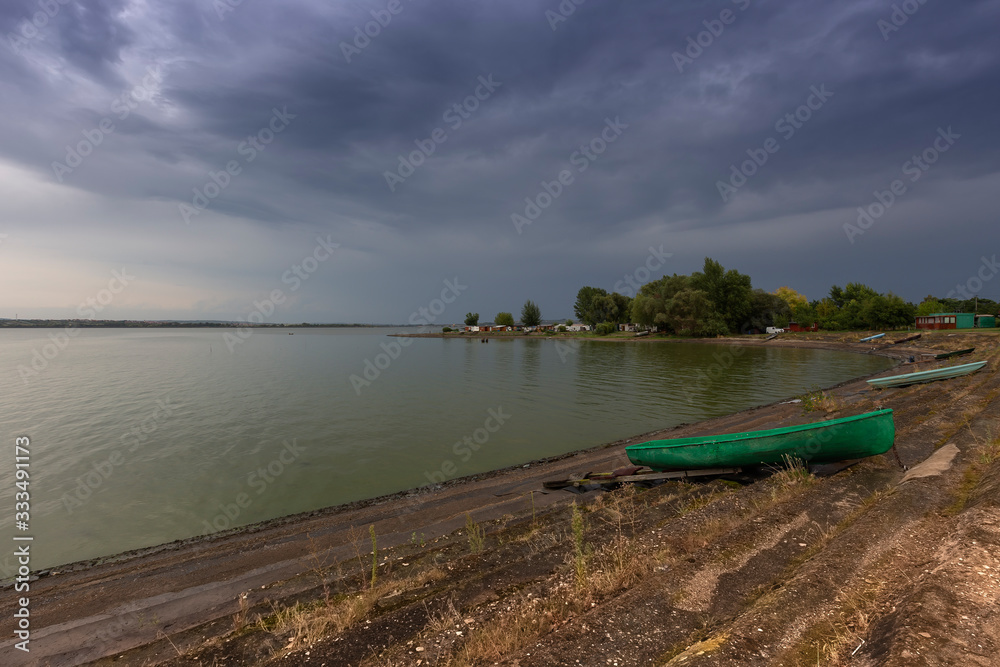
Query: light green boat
[945, 373]
[820, 442]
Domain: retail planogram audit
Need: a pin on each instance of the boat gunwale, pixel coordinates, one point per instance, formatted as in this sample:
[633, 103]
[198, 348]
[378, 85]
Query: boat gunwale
[748, 436]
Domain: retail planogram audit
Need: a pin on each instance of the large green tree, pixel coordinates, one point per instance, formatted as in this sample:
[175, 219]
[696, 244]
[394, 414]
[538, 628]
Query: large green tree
[766, 310]
[585, 308]
[504, 319]
[858, 306]
[729, 291]
[531, 314]
[791, 297]
[692, 313]
[594, 305]
[649, 307]
[930, 305]
[471, 319]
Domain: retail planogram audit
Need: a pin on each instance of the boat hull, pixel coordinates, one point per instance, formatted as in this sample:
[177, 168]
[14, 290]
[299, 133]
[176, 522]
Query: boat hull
[821, 442]
[956, 353]
[945, 373]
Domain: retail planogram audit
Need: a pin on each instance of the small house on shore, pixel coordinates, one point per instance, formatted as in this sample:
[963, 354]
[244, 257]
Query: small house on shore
[946, 321]
[795, 326]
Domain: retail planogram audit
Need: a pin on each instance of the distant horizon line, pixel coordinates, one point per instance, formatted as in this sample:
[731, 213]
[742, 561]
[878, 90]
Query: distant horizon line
[86, 322]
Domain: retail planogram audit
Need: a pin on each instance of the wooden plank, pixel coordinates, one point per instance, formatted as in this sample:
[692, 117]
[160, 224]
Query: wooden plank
[604, 478]
[674, 474]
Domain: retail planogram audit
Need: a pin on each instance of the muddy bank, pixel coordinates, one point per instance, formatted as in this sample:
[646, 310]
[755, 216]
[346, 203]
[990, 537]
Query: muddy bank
[154, 605]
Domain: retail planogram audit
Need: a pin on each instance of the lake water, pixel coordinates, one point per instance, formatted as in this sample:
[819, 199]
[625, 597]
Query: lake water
[144, 436]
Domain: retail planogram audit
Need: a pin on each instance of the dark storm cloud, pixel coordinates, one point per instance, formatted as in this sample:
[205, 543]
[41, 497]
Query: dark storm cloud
[692, 104]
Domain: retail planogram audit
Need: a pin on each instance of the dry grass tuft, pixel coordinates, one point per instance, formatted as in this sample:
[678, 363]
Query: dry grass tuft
[821, 401]
[306, 624]
[476, 535]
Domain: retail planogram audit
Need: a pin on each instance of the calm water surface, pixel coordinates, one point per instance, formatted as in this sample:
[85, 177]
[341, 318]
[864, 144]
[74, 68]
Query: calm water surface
[143, 436]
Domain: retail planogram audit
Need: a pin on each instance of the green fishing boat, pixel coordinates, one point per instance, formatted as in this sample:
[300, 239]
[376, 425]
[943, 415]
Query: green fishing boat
[820, 442]
[945, 373]
[956, 353]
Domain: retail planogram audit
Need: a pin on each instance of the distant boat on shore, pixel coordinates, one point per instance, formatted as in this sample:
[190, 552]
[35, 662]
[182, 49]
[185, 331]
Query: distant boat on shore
[905, 340]
[820, 442]
[871, 337]
[956, 353]
[945, 373]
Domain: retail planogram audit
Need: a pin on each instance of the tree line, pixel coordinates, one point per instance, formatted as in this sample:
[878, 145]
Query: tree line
[531, 316]
[716, 301]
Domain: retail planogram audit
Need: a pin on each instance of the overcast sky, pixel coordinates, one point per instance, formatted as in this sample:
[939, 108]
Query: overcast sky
[121, 118]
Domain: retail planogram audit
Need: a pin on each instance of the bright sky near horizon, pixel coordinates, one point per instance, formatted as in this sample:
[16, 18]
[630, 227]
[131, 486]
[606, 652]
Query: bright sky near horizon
[353, 157]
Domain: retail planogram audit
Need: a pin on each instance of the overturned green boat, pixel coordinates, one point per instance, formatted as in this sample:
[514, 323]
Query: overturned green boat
[820, 442]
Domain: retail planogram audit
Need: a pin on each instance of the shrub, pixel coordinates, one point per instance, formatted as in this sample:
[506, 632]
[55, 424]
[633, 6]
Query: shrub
[604, 328]
[446, 329]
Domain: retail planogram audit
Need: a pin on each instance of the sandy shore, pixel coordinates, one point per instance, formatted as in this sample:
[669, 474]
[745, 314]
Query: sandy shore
[175, 602]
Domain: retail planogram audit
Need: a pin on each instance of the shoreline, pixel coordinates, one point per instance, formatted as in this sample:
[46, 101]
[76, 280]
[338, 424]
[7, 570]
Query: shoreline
[429, 488]
[270, 555]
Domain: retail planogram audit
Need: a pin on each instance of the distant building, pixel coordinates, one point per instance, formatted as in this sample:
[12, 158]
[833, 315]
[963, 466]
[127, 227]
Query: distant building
[628, 327]
[579, 327]
[986, 321]
[946, 321]
[795, 326]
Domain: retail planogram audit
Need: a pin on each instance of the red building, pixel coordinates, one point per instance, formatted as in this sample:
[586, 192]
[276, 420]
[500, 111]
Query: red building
[795, 326]
[946, 321]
